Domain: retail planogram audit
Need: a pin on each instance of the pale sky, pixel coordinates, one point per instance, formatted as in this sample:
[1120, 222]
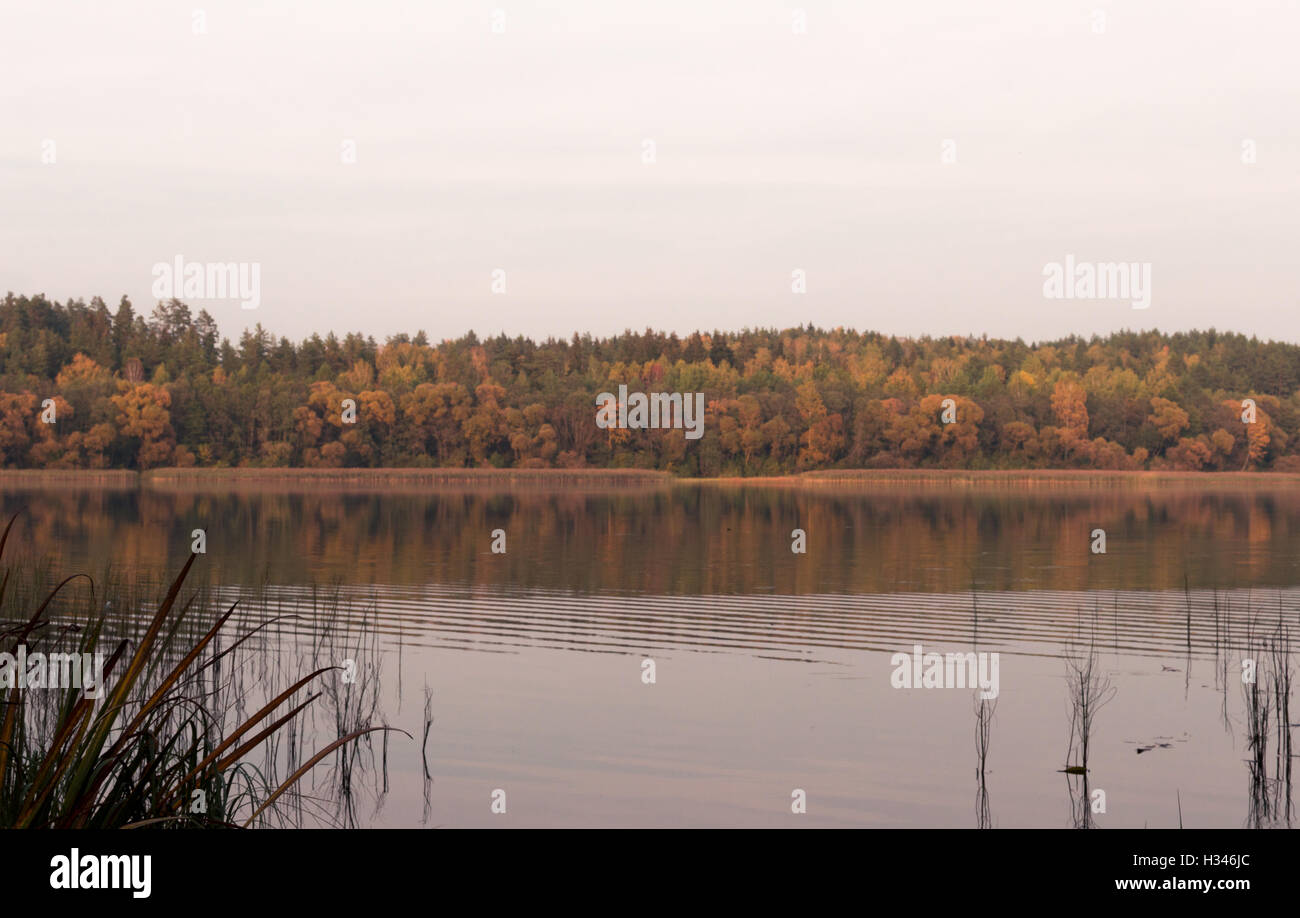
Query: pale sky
[774, 151]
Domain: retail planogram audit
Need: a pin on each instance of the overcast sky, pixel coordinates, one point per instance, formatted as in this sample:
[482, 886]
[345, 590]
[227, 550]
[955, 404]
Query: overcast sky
[523, 151]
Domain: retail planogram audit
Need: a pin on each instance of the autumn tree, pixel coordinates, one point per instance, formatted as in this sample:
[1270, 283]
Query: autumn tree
[143, 418]
[1167, 418]
[17, 418]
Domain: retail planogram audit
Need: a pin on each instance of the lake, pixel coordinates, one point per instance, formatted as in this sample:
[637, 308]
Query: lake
[773, 671]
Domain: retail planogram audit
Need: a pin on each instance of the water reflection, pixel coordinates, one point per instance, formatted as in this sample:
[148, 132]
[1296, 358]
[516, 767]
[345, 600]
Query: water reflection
[694, 539]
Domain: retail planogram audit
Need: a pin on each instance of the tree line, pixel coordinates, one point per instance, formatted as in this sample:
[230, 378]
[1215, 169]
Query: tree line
[86, 386]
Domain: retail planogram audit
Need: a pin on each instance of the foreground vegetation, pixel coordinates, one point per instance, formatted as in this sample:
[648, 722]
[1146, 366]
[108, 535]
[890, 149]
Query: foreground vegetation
[157, 746]
[135, 393]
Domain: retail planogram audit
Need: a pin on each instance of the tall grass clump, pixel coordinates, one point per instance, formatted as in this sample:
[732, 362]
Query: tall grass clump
[158, 746]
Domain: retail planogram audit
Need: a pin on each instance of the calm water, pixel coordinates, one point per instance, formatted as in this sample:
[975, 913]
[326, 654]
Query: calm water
[772, 669]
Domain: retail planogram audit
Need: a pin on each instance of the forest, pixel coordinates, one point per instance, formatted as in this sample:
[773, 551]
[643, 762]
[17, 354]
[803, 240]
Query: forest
[83, 386]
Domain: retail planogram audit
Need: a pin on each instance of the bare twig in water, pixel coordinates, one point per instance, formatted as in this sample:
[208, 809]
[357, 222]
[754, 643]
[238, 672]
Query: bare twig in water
[984, 709]
[1089, 689]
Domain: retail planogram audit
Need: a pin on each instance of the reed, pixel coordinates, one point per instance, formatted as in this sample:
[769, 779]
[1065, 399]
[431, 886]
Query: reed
[157, 747]
[1268, 719]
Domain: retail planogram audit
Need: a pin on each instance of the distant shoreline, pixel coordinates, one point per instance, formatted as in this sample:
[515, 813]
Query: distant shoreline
[1044, 476]
[403, 474]
[408, 479]
[1019, 479]
[585, 478]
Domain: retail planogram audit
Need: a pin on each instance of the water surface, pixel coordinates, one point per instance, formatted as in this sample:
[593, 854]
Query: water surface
[772, 668]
